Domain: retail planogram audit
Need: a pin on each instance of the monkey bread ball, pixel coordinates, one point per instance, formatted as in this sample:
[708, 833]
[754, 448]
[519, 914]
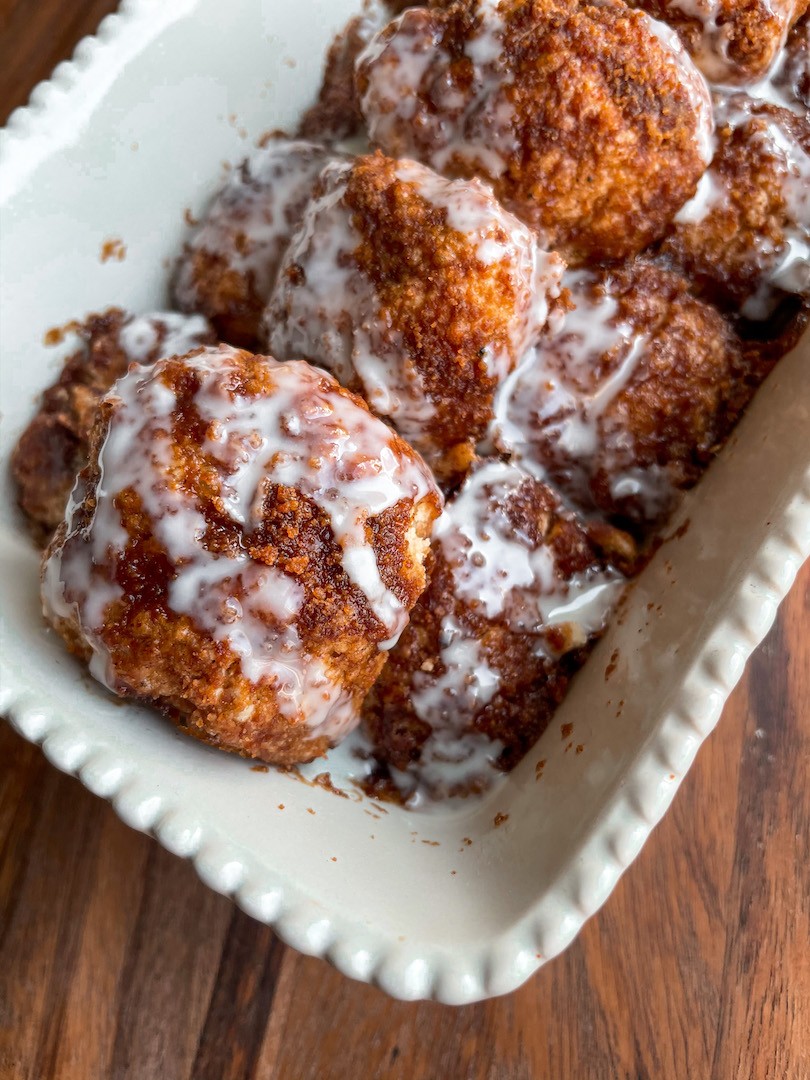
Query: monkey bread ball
[418, 292]
[745, 236]
[792, 75]
[228, 267]
[731, 41]
[242, 550]
[630, 400]
[519, 588]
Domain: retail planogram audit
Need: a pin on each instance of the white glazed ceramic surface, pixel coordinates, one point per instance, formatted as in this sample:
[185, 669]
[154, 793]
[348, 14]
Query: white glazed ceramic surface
[441, 904]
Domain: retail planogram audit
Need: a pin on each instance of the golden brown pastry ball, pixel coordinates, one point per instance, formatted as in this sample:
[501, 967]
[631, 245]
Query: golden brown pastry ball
[629, 402]
[228, 267]
[731, 41]
[254, 550]
[745, 236]
[55, 445]
[518, 590]
[588, 118]
[418, 292]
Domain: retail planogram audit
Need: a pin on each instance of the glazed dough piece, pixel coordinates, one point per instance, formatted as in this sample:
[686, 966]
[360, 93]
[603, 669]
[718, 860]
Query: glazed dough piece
[519, 589]
[418, 292]
[745, 236]
[731, 41]
[791, 78]
[55, 445]
[588, 118]
[252, 552]
[229, 266]
[628, 403]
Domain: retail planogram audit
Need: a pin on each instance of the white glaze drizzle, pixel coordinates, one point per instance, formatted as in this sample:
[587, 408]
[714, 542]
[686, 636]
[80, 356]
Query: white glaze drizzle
[476, 124]
[304, 435]
[250, 221]
[708, 195]
[548, 413]
[167, 331]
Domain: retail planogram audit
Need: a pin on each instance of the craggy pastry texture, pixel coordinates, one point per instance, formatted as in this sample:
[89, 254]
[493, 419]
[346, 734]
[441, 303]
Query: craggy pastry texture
[418, 292]
[731, 41]
[336, 113]
[589, 119]
[55, 445]
[242, 550]
[518, 590]
[745, 236]
[229, 266]
[792, 72]
[631, 399]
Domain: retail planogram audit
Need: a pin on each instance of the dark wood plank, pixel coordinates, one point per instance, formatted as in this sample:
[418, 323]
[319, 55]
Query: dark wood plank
[115, 961]
[35, 35]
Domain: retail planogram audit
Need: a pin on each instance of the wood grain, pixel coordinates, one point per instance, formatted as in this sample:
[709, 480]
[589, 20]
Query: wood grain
[115, 961]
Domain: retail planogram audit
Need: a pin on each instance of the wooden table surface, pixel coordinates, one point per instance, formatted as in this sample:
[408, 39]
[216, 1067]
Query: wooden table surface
[115, 961]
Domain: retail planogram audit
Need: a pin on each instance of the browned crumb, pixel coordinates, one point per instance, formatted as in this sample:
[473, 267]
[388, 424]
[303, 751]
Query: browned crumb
[613, 663]
[113, 248]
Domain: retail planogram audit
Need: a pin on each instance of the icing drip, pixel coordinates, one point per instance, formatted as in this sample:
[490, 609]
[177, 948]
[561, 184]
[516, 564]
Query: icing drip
[174, 334]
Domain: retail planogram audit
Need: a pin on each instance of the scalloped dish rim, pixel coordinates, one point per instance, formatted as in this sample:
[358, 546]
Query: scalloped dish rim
[375, 954]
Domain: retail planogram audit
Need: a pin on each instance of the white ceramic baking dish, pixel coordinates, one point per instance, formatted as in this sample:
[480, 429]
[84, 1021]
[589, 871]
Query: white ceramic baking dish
[444, 904]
